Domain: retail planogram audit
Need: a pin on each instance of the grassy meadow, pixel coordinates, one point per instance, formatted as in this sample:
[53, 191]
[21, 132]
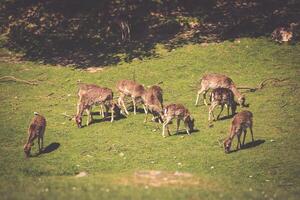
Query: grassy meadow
[112, 154]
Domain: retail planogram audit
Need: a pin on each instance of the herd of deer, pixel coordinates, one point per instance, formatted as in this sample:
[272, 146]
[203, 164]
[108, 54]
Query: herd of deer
[223, 92]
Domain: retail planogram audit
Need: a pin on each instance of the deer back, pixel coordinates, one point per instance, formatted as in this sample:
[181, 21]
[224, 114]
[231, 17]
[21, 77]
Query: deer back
[130, 88]
[216, 81]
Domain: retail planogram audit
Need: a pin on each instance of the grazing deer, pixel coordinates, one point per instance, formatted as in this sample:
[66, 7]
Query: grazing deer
[239, 125]
[90, 95]
[284, 34]
[153, 102]
[213, 81]
[132, 89]
[221, 96]
[84, 88]
[36, 130]
[179, 112]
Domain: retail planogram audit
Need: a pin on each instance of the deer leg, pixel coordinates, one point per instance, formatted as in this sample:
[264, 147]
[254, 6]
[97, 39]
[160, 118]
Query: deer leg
[42, 141]
[222, 107]
[251, 133]
[239, 141]
[112, 114]
[121, 103]
[245, 133]
[101, 112]
[146, 113]
[204, 98]
[145, 108]
[227, 109]
[210, 112]
[134, 105]
[187, 128]
[197, 99]
[90, 118]
[165, 125]
[178, 123]
[39, 143]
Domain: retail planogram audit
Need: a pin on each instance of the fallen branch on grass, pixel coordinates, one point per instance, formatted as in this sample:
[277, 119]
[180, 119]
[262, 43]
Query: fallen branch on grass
[12, 78]
[262, 84]
[70, 117]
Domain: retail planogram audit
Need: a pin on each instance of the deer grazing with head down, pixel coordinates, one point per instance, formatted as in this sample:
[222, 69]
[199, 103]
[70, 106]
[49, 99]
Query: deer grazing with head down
[239, 125]
[153, 102]
[213, 81]
[90, 95]
[179, 112]
[131, 89]
[223, 97]
[36, 130]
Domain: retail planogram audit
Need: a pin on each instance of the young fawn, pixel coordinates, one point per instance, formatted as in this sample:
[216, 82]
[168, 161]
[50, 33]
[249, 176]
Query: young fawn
[179, 112]
[213, 81]
[239, 125]
[132, 89]
[90, 95]
[223, 97]
[153, 102]
[36, 130]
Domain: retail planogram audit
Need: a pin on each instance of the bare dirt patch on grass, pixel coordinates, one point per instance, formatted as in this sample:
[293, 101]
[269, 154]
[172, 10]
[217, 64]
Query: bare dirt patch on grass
[153, 178]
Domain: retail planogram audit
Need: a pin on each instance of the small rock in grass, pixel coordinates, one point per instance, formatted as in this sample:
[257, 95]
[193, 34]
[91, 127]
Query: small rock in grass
[212, 167]
[81, 174]
[250, 176]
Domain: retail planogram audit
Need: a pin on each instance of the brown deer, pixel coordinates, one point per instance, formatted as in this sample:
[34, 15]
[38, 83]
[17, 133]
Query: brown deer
[36, 130]
[213, 81]
[153, 102]
[223, 97]
[179, 112]
[284, 34]
[84, 88]
[132, 89]
[239, 125]
[90, 95]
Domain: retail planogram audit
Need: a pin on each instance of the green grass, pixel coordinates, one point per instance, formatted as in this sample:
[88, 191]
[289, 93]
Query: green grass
[274, 166]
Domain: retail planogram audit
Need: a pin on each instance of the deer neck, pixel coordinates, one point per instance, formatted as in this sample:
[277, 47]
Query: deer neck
[235, 92]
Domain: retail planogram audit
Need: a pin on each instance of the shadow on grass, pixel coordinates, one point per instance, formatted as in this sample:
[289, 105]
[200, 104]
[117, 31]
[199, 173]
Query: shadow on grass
[183, 132]
[250, 145]
[48, 149]
[51, 147]
[107, 118]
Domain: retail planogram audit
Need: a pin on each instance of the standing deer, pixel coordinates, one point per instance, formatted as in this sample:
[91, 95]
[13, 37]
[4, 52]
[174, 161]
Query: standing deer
[84, 88]
[239, 125]
[153, 102]
[213, 81]
[179, 112]
[132, 89]
[36, 130]
[221, 96]
[90, 95]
